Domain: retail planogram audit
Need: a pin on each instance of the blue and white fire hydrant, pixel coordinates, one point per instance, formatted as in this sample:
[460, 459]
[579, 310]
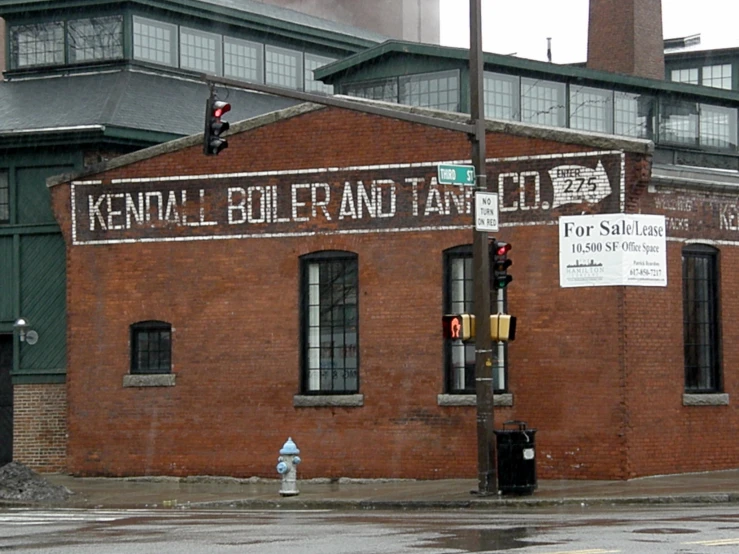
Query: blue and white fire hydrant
[287, 467]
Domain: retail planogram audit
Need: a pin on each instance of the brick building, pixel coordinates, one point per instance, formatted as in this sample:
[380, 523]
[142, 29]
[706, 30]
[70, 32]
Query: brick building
[620, 380]
[288, 298]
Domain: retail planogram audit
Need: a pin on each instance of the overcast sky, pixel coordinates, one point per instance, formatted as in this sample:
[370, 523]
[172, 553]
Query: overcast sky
[522, 26]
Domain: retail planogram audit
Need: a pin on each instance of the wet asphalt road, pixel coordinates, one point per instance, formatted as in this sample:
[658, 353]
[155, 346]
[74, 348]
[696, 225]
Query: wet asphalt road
[585, 530]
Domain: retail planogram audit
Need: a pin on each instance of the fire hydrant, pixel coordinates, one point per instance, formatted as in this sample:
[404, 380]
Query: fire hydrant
[287, 467]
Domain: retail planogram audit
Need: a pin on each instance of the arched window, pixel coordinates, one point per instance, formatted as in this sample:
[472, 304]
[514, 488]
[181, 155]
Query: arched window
[329, 330]
[701, 330]
[151, 347]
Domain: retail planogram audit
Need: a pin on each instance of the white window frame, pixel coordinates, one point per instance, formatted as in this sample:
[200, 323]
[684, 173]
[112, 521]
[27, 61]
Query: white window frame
[217, 50]
[174, 42]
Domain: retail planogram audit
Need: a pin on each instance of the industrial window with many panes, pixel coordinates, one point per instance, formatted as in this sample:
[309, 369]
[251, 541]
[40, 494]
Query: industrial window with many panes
[701, 331]
[330, 335]
[459, 357]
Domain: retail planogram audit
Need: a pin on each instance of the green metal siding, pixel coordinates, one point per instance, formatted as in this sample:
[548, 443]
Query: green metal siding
[33, 264]
[6, 278]
[43, 296]
[410, 65]
[34, 201]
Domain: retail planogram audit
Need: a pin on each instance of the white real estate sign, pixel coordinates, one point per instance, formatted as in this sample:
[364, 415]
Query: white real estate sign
[612, 249]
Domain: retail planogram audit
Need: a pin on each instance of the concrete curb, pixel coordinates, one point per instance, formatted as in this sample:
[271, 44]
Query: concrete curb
[473, 504]
[295, 503]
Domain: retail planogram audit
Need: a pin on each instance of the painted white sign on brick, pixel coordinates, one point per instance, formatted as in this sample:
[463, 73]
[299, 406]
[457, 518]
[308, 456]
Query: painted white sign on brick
[612, 249]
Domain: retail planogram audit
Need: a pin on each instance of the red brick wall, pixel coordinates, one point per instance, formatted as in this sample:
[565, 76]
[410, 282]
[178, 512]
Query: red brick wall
[40, 426]
[595, 370]
[663, 435]
[625, 36]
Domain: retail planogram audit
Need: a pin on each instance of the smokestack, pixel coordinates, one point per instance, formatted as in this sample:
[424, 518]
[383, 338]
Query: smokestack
[625, 36]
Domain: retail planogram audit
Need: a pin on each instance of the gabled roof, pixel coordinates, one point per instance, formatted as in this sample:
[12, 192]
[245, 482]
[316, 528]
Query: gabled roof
[121, 99]
[595, 140]
[346, 69]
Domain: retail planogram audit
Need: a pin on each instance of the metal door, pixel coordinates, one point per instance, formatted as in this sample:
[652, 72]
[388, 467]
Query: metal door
[6, 399]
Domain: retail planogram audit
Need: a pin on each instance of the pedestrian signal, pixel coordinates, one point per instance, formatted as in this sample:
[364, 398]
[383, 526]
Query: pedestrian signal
[458, 326]
[502, 327]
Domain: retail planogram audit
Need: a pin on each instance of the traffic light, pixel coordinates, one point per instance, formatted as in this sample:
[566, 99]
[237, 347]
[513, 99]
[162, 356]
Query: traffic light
[214, 127]
[500, 263]
[502, 327]
[458, 326]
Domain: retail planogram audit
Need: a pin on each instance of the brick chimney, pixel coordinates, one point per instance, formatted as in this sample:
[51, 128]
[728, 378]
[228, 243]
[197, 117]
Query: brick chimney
[625, 36]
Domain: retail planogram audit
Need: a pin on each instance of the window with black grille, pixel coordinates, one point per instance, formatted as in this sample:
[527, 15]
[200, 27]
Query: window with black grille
[459, 357]
[701, 330]
[330, 334]
[151, 347]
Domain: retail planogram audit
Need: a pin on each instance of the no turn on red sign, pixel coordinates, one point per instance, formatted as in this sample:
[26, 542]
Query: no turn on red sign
[486, 212]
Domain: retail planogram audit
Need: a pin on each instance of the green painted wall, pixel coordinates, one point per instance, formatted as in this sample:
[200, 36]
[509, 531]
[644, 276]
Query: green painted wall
[32, 264]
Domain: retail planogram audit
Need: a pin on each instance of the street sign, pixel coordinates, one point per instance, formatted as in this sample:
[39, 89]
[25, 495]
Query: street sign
[450, 174]
[486, 212]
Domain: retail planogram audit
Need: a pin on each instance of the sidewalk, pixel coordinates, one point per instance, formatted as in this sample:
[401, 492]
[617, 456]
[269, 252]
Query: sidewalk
[228, 493]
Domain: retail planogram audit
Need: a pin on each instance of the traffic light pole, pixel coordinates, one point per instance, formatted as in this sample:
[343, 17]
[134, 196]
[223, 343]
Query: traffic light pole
[484, 386]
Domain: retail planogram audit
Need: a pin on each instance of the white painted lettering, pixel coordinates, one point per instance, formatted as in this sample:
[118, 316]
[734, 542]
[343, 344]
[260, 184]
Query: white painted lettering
[236, 210]
[259, 203]
[131, 209]
[157, 196]
[275, 205]
[95, 214]
[323, 204]
[115, 213]
[296, 203]
[377, 188]
[522, 189]
[348, 209]
[171, 213]
[365, 199]
[202, 219]
[501, 191]
[414, 181]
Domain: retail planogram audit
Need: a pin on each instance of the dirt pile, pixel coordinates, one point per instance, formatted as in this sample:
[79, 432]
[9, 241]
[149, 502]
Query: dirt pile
[17, 482]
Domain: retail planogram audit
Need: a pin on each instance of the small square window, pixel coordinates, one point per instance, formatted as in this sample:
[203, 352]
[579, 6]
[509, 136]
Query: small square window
[151, 347]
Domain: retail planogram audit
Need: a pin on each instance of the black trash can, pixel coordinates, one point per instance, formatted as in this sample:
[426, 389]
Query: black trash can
[516, 453]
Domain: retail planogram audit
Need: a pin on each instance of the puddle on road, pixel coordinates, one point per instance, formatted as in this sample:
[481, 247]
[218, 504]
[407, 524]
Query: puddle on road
[666, 531]
[485, 540]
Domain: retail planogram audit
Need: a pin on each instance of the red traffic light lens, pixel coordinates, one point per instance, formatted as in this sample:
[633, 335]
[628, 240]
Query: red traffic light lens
[503, 249]
[220, 108]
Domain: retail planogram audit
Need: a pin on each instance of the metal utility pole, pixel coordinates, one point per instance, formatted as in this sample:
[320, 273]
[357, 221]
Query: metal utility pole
[486, 470]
